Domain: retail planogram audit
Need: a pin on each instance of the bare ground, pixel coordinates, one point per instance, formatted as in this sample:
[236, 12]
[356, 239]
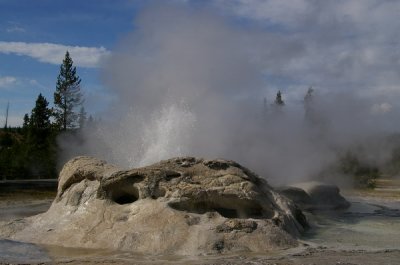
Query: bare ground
[309, 255]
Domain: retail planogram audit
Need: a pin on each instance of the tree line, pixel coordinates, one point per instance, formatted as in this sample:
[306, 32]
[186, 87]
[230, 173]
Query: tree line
[31, 151]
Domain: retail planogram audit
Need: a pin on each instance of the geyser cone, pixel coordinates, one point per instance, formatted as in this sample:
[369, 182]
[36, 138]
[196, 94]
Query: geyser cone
[182, 205]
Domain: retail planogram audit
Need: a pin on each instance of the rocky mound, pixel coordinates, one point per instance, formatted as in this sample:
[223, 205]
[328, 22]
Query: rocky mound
[182, 206]
[315, 196]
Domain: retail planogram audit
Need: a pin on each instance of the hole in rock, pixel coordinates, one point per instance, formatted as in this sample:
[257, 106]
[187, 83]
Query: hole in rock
[125, 196]
[228, 208]
[171, 175]
[254, 212]
[125, 199]
[228, 213]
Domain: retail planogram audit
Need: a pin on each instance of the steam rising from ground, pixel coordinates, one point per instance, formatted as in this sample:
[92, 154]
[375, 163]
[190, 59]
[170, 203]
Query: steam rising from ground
[191, 82]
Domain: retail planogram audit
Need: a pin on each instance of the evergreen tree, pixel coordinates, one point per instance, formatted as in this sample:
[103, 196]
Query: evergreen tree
[68, 95]
[309, 95]
[26, 124]
[39, 144]
[278, 100]
[40, 118]
[309, 112]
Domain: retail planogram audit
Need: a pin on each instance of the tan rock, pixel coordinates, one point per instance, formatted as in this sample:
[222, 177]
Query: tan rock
[182, 206]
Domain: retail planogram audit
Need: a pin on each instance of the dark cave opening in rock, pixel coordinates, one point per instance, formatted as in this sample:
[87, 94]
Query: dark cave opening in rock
[125, 196]
[228, 213]
[228, 209]
[125, 199]
[255, 212]
[203, 207]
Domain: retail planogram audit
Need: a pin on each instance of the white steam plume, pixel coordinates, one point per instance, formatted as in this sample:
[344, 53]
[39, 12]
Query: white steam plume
[190, 83]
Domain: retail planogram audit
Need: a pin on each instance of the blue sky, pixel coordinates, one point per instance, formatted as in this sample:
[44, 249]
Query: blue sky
[27, 26]
[335, 45]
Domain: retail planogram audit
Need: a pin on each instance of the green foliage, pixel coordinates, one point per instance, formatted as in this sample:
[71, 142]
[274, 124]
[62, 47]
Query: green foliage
[31, 151]
[67, 96]
[40, 118]
[40, 144]
[12, 154]
[27, 120]
[6, 139]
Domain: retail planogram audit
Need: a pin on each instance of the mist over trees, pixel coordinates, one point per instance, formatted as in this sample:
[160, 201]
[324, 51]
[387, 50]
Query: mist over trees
[34, 150]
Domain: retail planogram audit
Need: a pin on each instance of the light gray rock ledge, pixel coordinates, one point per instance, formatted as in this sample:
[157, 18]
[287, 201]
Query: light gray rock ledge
[182, 205]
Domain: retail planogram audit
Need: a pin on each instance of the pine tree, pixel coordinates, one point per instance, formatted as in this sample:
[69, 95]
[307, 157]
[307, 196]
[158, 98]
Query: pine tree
[39, 143]
[309, 95]
[68, 95]
[26, 123]
[40, 118]
[278, 100]
[308, 105]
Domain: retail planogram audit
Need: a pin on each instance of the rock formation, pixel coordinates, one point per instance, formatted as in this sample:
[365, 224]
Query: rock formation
[182, 206]
[315, 196]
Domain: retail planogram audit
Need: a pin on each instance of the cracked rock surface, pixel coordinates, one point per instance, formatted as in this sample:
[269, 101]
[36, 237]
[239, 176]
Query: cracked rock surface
[182, 205]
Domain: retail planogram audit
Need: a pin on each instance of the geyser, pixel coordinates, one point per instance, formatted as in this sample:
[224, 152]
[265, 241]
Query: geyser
[192, 82]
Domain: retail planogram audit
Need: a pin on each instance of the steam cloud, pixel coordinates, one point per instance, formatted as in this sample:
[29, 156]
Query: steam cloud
[192, 82]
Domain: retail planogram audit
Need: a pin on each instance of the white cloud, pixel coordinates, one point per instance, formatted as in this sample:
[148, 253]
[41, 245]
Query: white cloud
[334, 44]
[15, 28]
[274, 11]
[36, 83]
[6, 81]
[381, 108]
[54, 53]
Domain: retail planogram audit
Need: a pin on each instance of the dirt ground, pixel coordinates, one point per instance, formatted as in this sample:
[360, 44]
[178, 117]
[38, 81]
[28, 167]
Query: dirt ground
[310, 256]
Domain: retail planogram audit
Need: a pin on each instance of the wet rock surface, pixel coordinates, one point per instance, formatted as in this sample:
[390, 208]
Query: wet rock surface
[182, 206]
[311, 196]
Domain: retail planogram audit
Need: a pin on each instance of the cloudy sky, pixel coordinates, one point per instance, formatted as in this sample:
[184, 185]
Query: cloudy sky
[338, 45]
[34, 36]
